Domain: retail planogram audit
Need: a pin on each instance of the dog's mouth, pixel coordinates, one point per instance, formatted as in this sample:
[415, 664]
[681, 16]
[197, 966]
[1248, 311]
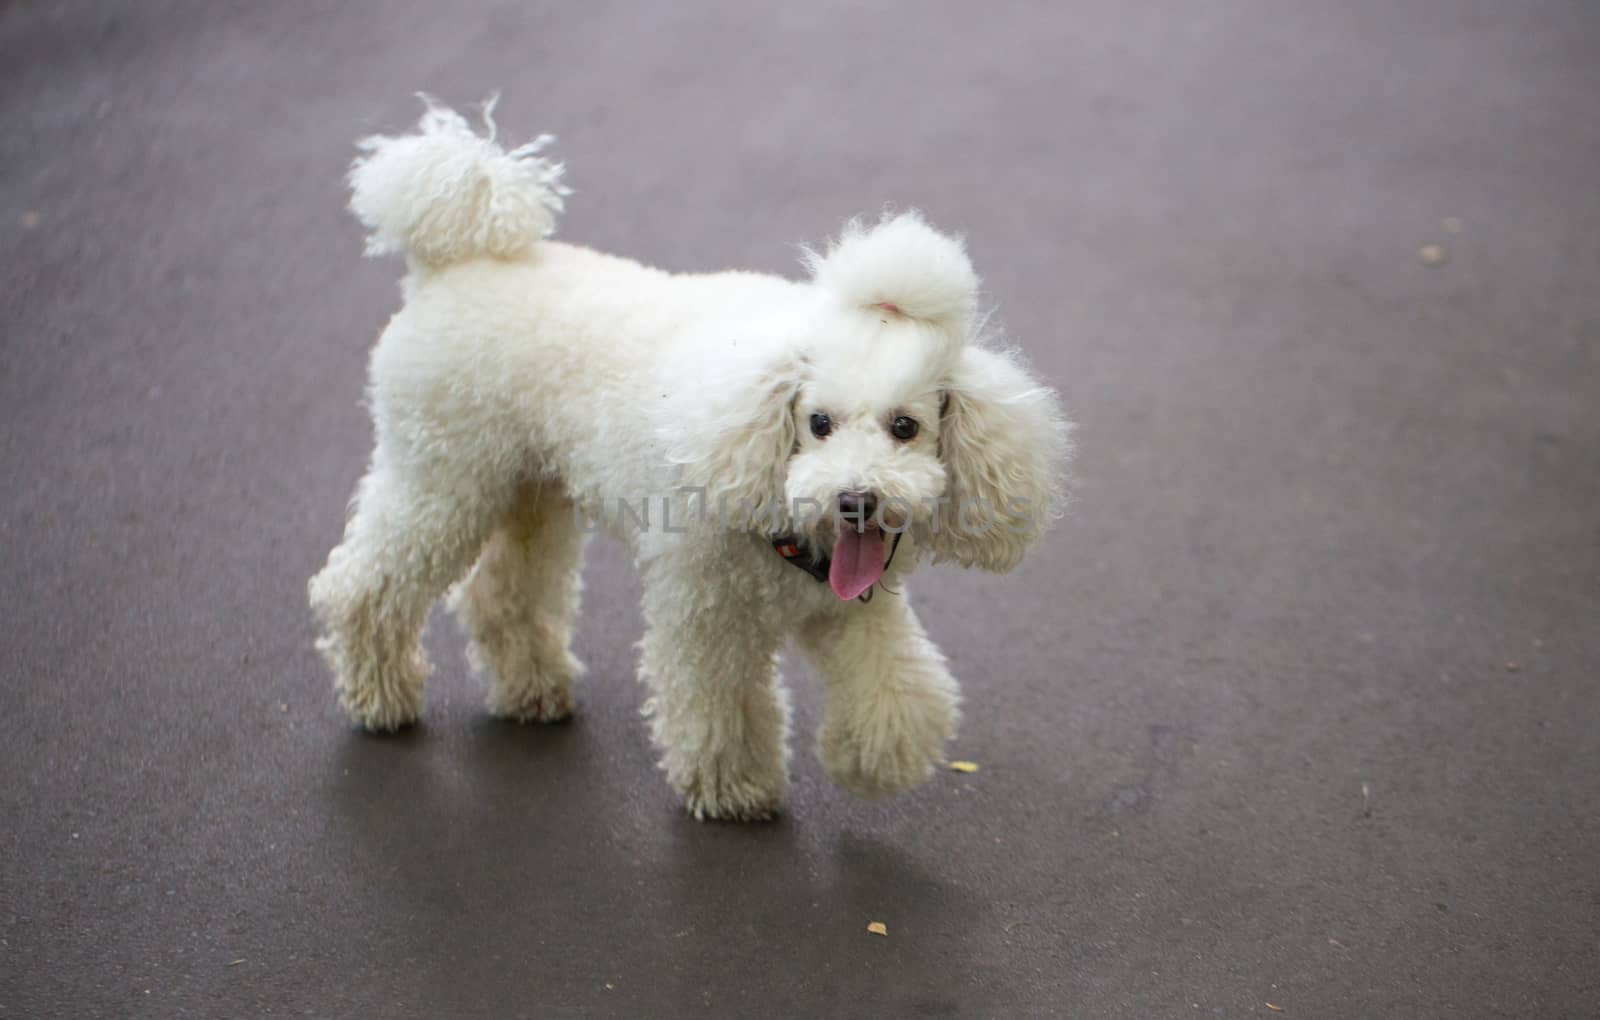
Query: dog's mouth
[858, 561]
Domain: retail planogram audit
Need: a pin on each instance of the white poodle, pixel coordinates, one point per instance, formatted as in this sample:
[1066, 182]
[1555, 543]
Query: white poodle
[778, 455]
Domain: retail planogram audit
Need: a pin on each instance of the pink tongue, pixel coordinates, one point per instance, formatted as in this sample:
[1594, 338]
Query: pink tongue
[857, 562]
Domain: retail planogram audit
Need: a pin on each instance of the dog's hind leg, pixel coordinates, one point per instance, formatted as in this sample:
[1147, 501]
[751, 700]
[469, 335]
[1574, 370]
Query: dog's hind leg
[519, 604]
[406, 542]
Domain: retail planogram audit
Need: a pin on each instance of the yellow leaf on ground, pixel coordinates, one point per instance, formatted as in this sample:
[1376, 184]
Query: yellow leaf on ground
[964, 766]
[878, 928]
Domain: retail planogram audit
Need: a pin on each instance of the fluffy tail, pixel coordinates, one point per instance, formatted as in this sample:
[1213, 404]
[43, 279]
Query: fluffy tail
[446, 194]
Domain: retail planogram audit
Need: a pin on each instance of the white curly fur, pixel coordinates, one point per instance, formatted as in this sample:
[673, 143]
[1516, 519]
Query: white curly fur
[444, 194]
[904, 263]
[524, 378]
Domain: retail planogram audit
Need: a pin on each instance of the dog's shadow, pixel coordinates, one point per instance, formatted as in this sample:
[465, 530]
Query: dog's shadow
[514, 861]
[769, 900]
[423, 804]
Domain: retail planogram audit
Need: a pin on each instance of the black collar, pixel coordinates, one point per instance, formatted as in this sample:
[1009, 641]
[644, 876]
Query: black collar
[794, 551]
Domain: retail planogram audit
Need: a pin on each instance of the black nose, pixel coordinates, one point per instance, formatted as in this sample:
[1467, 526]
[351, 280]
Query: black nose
[859, 508]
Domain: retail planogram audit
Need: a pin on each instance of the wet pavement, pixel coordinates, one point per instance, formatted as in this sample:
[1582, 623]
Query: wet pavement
[1298, 707]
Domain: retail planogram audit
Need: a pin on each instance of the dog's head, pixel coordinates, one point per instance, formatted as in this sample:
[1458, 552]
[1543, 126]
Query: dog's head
[883, 416]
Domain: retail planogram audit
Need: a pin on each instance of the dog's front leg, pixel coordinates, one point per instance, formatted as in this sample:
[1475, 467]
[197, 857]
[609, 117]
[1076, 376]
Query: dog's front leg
[717, 712]
[892, 704]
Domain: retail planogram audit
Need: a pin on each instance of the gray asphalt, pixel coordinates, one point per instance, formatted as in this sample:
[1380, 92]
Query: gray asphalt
[1299, 707]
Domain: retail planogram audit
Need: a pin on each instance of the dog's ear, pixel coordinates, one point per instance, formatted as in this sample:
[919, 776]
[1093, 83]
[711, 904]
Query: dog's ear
[902, 266]
[1005, 445]
[737, 445]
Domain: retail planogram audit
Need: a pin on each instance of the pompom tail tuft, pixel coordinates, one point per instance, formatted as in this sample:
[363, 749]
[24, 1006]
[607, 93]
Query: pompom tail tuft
[445, 194]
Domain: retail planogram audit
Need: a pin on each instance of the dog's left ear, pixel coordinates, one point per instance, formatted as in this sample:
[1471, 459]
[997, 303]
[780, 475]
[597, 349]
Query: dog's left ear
[738, 447]
[1005, 446]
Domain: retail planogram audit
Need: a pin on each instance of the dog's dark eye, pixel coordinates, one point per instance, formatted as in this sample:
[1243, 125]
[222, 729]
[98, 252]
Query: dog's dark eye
[821, 425]
[904, 429]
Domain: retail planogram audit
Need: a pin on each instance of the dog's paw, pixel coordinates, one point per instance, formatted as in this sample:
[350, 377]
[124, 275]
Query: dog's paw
[382, 709]
[888, 743]
[529, 703]
[730, 787]
[525, 687]
[379, 699]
